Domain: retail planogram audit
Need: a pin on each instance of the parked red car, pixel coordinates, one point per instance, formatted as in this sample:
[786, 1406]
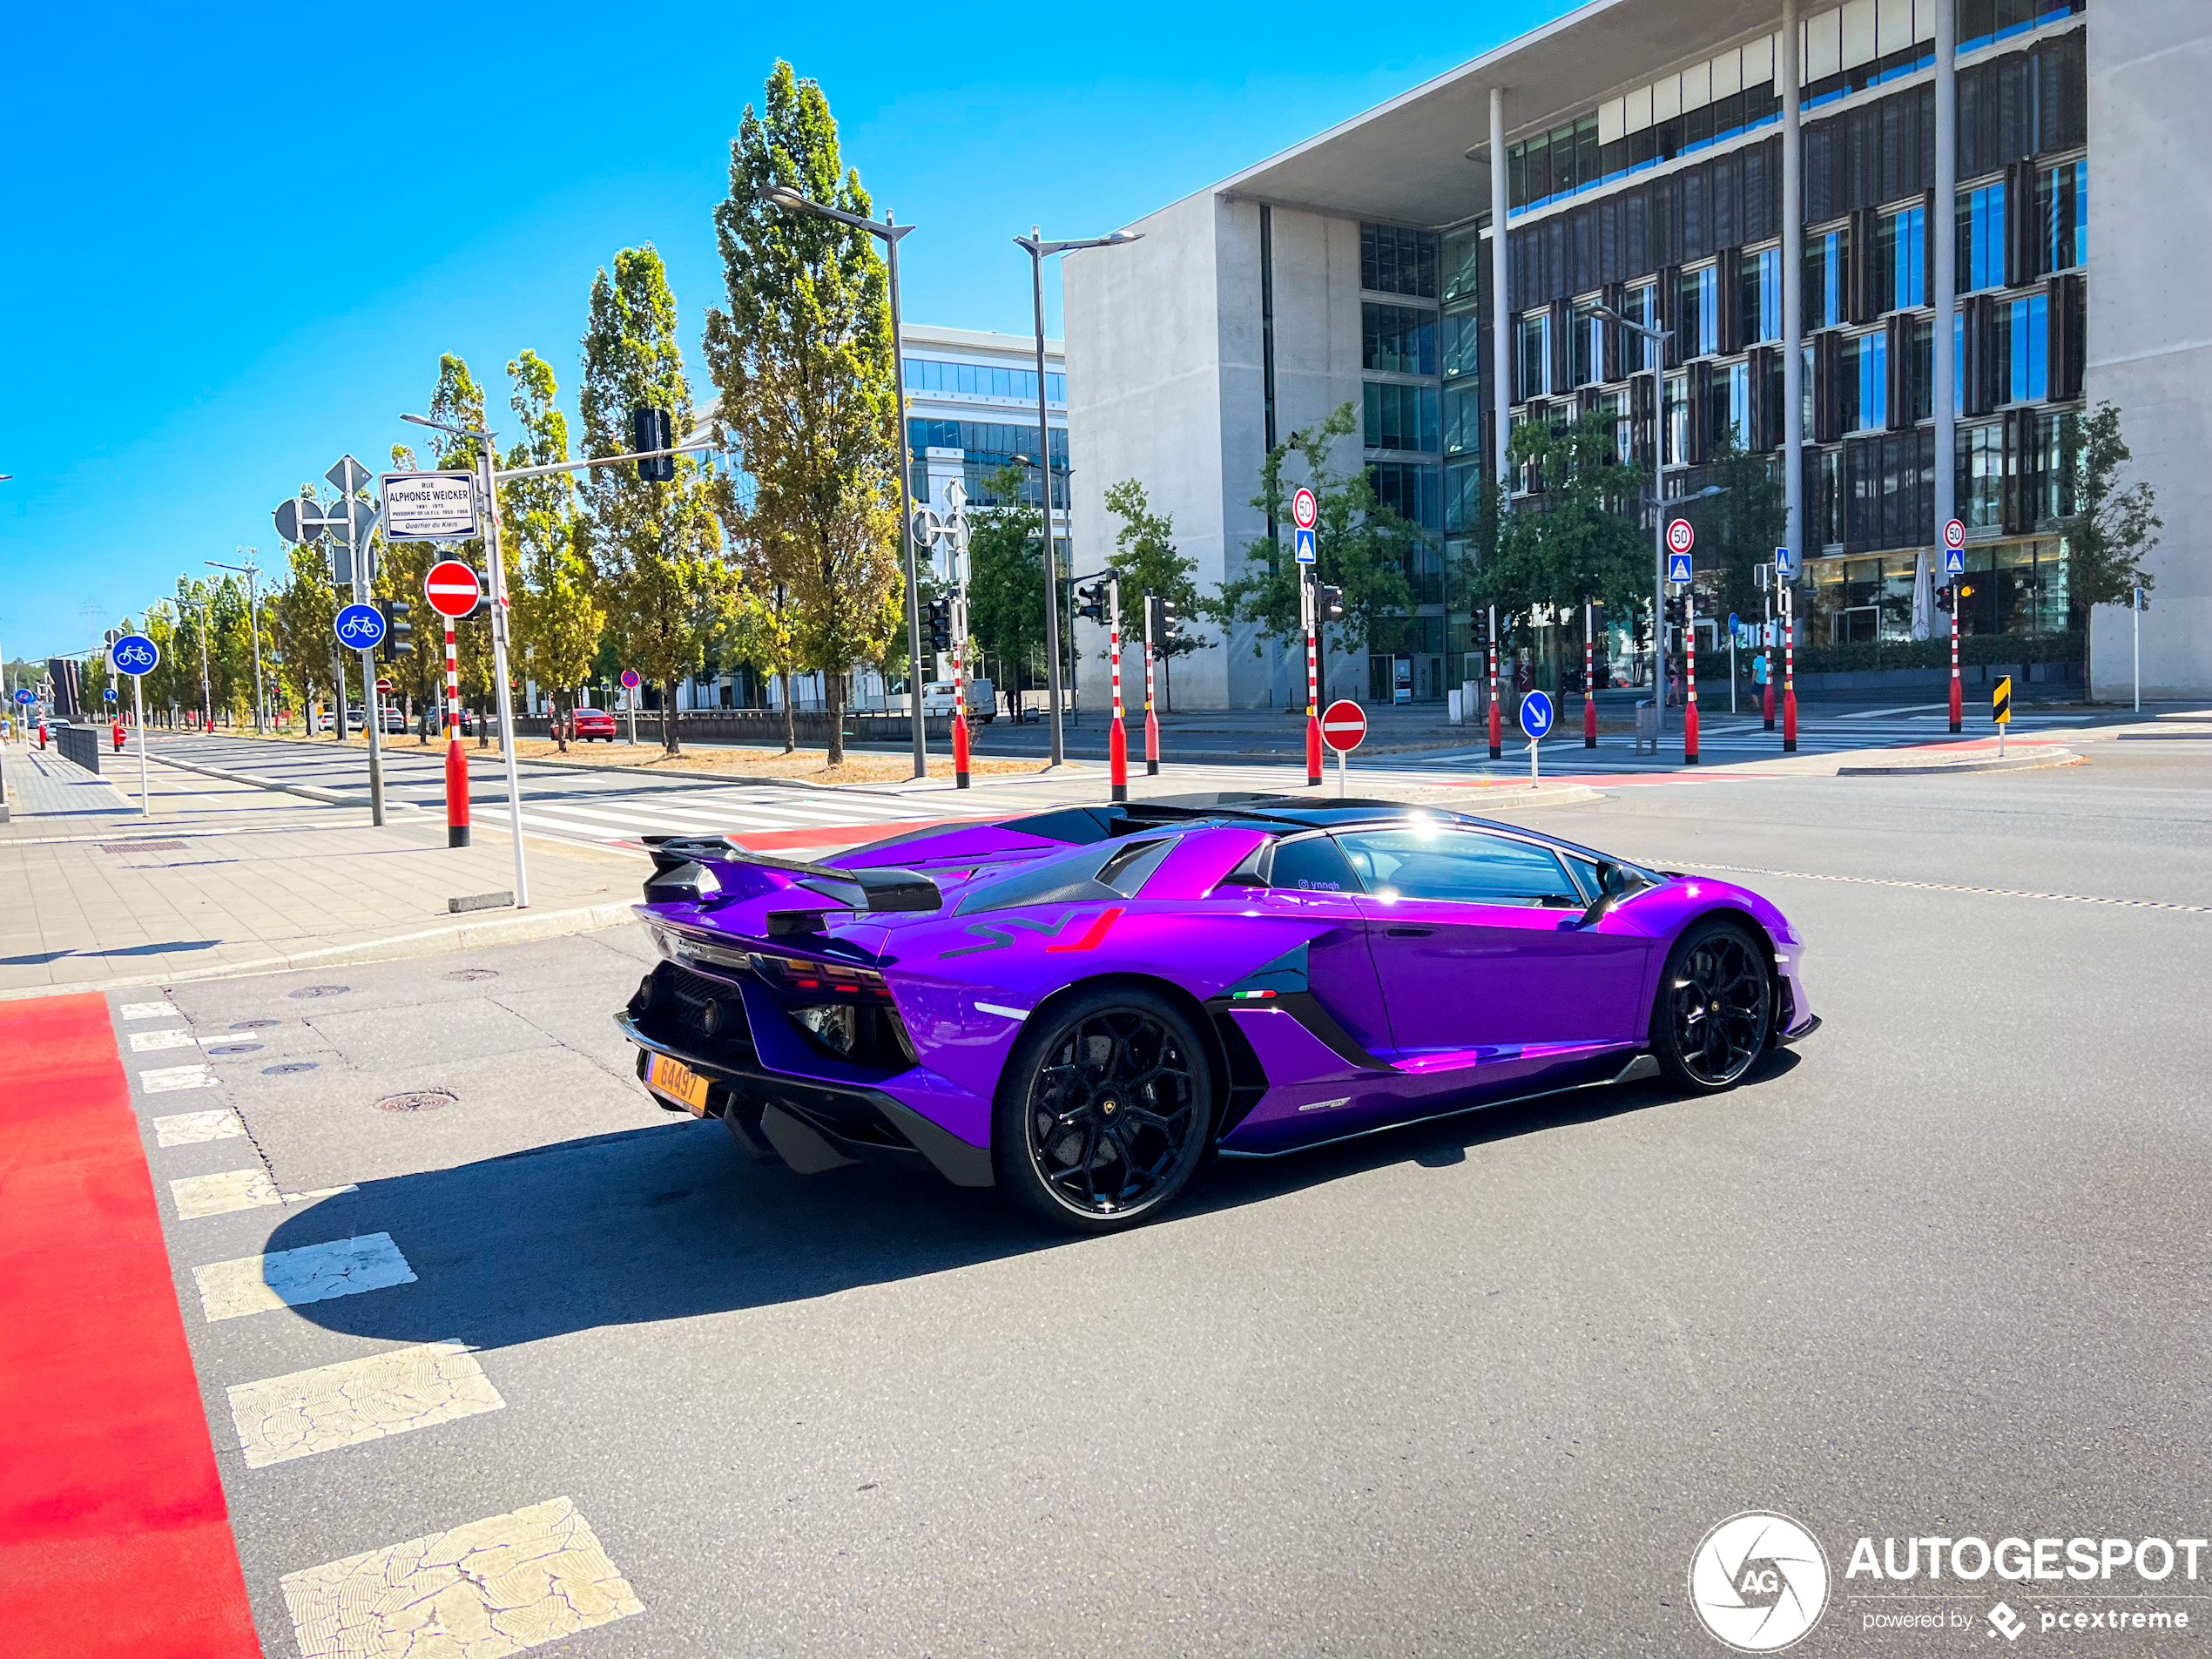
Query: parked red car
[587, 724]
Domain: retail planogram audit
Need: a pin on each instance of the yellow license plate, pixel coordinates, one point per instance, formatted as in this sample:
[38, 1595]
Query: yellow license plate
[678, 1082]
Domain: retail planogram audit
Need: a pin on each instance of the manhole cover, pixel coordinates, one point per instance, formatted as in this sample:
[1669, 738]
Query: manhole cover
[237, 1048]
[466, 974]
[253, 1025]
[290, 1067]
[416, 1100]
[319, 990]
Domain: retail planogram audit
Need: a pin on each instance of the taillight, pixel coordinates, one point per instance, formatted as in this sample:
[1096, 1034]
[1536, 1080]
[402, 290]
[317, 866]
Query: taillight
[820, 982]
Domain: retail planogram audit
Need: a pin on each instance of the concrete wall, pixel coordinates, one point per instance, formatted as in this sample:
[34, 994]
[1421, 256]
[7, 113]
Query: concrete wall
[1165, 385]
[2150, 326]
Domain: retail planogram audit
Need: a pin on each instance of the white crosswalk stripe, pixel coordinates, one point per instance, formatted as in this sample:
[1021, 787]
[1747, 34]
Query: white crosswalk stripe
[738, 811]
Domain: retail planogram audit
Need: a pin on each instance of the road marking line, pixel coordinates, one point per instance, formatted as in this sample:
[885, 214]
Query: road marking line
[290, 1278]
[1951, 887]
[148, 1010]
[490, 1587]
[191, 1128]
[149, 1042]
[218, 1194]
[306, 1411]
[168, 1079]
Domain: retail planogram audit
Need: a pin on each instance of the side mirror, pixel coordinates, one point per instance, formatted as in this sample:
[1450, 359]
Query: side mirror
[1612, 885]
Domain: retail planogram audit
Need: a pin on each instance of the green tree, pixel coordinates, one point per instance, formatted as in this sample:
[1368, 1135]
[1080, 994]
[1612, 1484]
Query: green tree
[1006, 582]
[802, 359]
[300, 614]
[1145, 557]
[658, 545]
[762, 632]
[1739, 532]
[558, 617]
[1360, 545]
[2112, 530]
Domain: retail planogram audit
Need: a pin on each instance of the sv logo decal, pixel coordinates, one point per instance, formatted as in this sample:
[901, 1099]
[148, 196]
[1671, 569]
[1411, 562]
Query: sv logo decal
[997, 935]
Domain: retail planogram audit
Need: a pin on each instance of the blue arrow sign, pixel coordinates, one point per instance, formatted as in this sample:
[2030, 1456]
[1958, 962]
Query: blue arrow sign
[108, 692]
[1535, 714]
[1303, 540]
[359, 626]
[1677, 567]
[1955, 561]
[134, 654]
[1785, 563]
[1734, 624]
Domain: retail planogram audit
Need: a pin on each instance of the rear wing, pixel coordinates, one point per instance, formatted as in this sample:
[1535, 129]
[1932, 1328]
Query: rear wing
[679, 861]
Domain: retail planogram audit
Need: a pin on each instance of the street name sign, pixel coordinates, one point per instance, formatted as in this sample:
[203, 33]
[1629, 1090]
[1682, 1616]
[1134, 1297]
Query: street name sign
[452, 588]
[1535, 714]
[429, 506]
[1343, 726]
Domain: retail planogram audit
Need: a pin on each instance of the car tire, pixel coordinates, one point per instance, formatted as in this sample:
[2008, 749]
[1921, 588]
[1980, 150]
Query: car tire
[1713, 1013]
[1104, 1111]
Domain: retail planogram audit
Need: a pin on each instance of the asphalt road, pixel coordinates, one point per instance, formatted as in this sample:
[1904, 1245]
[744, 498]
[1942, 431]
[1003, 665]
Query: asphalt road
[1472, 1389]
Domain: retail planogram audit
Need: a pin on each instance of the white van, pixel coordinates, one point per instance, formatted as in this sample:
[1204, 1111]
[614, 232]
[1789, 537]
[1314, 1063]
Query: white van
[983, 699]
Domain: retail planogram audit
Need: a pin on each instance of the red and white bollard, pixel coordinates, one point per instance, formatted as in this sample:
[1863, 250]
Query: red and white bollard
[1497, 722]
[42, 734]
[1958, 696]
[1117, 734]
[959, 704]
[456, 762]
[1151, 718]
[119, 737]
[1789, 673]
[1589, 681]
[1313, 681]
[1689, 677]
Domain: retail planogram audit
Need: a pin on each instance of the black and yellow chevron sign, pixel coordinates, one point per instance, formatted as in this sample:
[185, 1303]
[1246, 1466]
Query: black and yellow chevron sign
[2000, 702]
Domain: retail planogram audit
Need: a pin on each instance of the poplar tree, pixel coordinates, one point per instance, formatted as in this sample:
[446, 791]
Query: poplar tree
[658, 545]
[803, 360]
[557, 615]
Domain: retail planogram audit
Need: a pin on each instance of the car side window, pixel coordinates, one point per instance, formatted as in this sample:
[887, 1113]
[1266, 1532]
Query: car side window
[1312, 864]
[1462, 865]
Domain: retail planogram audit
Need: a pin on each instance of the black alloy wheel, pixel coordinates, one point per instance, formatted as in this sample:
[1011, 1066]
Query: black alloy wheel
[1714, 1008]
[1105, 1112]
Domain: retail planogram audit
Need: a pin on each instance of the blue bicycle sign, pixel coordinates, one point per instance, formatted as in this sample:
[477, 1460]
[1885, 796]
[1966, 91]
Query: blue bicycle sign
[359, 626]
[134, 654]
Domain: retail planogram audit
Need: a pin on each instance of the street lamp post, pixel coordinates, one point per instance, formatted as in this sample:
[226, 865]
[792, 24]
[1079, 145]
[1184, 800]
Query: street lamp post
[1038, 248]
[250, 570]
[1658, 339]
[891, 232]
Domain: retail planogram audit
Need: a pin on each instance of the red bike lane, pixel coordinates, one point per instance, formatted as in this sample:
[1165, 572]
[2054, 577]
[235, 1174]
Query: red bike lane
[114, 1536]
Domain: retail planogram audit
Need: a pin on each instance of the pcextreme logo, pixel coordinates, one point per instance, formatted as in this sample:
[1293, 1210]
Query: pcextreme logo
[1759, 1582]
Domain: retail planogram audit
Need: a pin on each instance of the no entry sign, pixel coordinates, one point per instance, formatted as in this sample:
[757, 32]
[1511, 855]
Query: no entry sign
[1343, 726]
[452, 588]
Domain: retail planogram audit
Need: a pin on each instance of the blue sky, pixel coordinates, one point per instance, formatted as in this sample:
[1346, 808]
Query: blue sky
[240, 237]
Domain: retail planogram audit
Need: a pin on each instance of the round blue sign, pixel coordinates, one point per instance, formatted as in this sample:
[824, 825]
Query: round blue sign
[108, 692]
[359, 626]
[134, 654]
[25, 696]
[1535, 714]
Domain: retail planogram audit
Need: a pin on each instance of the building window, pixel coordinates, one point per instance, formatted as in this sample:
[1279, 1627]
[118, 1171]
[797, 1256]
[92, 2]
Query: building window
[1866, 382]
[1639, 305]
[1731, 410]
[2062, 215]
[1532, 356]
[1398, 261]
[1401, 417]
[1806, 426]
[1981, 237]
[1398, 339]
[1614, 407]
[1677, 418]
[1921, 380]
[1462, 419]
[1462, 352]
[2023, 366]
[1983, 23]
[1586, 351]
[1698, 321]
[1901, 259]
[1981, 486]
[1759, 295]
[1462, 494]
[981, 380]
[1414, 490]
[1827, 279]
[1466, 260]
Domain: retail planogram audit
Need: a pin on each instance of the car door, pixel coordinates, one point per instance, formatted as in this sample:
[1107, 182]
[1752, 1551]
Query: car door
[1483, 955]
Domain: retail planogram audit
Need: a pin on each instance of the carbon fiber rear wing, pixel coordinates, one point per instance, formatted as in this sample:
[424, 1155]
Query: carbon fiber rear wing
[676, 857]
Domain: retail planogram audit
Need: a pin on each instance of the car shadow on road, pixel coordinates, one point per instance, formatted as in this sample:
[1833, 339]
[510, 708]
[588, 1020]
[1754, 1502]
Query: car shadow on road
[670, 1222]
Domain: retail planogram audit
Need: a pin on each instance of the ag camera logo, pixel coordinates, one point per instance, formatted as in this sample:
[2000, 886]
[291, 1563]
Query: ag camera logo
[1759, 1582]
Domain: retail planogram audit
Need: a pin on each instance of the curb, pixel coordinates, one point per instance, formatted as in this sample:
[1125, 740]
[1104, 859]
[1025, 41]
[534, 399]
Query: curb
[2033, 760]
[431, 941]
[314, 792]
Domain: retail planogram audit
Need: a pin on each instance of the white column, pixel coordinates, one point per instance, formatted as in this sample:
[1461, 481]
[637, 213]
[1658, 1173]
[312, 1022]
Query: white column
[1946, 297]
[1788, 60]
[1500, 317]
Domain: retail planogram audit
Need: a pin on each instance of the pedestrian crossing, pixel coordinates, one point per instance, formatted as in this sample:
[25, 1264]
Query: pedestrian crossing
[752, 815]
[1736, 739]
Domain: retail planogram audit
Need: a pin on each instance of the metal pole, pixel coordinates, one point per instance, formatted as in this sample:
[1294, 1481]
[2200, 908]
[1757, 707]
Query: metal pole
[2135, 613]
[1944, 244]
[499, 673]
[907, 507]
[1658, 529]
[1044, 474]
[1501, 315]
[254, 627]
[369, 679]
[1787, 69]
[138, 702]
[206, 692]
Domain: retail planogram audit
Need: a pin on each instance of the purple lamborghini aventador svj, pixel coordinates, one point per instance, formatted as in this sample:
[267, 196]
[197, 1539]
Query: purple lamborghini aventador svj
[1076, 1007]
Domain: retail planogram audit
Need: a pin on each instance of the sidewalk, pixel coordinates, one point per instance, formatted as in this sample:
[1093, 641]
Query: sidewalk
[225, 878]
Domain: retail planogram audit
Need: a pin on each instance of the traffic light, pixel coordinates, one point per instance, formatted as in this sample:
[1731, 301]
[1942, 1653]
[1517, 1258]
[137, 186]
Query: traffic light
[1171, 629]
[941, 625]
[399, 632]
[1677, 610]
[1328, 603]
[1094, 602]
[650, 426]
[1943, 600]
